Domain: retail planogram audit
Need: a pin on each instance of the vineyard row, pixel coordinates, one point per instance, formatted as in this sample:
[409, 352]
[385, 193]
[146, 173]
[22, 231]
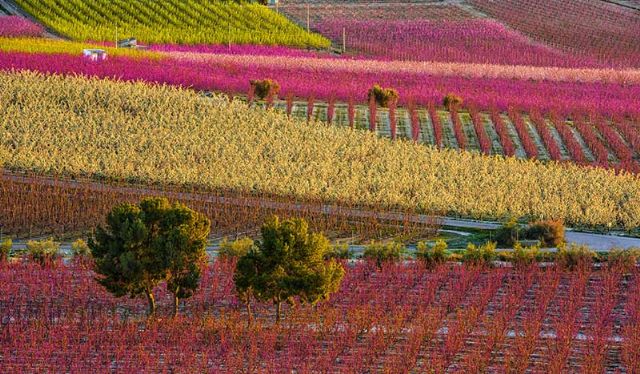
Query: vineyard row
[401, 318]
[597, 142]
[33, 206]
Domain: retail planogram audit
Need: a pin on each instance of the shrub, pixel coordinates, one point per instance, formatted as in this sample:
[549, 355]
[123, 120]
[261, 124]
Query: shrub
[80, 248]
[575, 256]
[483, 255]
[523, 256]
[509, 233]
[380, 253]
[383, 96]
[546, 256]
[265, 87]
[432, 255]
[623, 259]
[549, 233]
[235, 249]
[43, 252]
[456, 257]
[339, 252]
[452, 102]
[81, 253]
[5, 249]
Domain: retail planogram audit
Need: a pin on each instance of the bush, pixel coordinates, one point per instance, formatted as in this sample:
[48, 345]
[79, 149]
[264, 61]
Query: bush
[339, 252]
[545, 256]
[452, 102]
[481, 256]
[235, 249]
[455, 257]
[523, 256]
[509, 233]
[43, 252]
[575, 257]
[383, 96]
[432, 255]
[380, 253]
[81, 254]
[265, 87]
[79, 248]
[5, 249]
[624, 259]
[549, 233]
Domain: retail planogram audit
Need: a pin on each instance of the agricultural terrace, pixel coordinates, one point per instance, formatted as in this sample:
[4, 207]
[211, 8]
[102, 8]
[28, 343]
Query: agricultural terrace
[12, 26]
[517, 32]
[379, 135]
[400, 318]
[575, 91]
[591, 120]
[183, 22]
[163, 135]
[599, 29]
[59, 47]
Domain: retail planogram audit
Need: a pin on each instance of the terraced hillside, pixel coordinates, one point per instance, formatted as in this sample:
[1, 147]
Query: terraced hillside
[524, 32]
[586, 141]
[599, 29]
[401, 319]
[170, 21]
[162, 135]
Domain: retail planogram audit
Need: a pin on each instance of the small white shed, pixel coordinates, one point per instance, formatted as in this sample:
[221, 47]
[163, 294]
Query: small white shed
[95, 54]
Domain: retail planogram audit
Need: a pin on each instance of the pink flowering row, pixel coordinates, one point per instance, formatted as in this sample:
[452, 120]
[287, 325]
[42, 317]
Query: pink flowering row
[523, 133]
[564, 98]
[400, 318]
[545, 133]
[266, 57]
[239, 49]
[14, 26]
[508, 147]
[573, 147]
[598, 29]
[471, 41]
[481, 133]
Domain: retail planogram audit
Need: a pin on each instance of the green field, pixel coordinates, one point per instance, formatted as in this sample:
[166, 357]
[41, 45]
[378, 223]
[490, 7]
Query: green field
[171, 22]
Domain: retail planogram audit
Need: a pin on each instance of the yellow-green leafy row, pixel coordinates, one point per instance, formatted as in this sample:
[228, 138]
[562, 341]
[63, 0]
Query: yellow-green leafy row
[171, 21]
[57, 125]
[53, 46]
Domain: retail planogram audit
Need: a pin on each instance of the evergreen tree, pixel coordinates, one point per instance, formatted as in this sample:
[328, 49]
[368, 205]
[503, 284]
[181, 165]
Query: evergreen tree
[289, 263]
[142, 245]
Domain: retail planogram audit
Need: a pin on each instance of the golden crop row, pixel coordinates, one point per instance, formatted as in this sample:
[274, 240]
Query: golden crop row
[171, 21]
[54, 46]
[57, 125]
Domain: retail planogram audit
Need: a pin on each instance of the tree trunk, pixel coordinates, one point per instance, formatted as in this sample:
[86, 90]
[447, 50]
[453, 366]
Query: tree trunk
[278, 311]
[249, 314]
[152, 303]
[176, 305]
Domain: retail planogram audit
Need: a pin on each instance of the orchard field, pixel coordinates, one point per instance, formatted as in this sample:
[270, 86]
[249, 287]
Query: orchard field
[401, 318]
[408, 187]
[173, 137]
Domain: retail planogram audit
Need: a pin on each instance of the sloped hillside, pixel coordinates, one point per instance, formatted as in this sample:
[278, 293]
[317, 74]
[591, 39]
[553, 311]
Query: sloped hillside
[171, 21]
[173, 136]
[599, 29]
